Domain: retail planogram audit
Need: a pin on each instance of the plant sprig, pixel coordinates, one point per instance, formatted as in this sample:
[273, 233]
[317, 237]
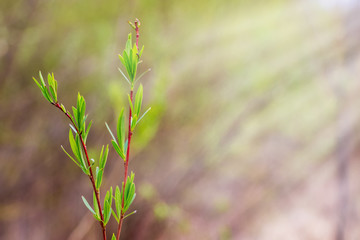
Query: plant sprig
[79, 130]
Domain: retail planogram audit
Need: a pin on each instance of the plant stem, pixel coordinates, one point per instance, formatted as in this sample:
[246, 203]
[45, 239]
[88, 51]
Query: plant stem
[91, 176]
[126, 163]
[126, 166]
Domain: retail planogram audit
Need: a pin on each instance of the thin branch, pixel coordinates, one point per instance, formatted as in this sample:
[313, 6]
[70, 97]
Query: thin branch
[91, 176]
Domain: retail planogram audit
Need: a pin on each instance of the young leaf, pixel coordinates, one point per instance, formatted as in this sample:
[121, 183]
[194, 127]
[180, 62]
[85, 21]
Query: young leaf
[130, 214]
[75, 161]
[37, 83]
[42, 80]
[143, 115]
[118, 201]
[88, 205]
[112, 135]
[87, 131]
[130, 104]
[118, 150]
[114, 215]
[96, 207]
[123, 73]
[107, 206]
[142, 75]
[121, 130]
[63, 108]
[73, 145]
[138, 100]
[103, 157]
[113, 236]
[99, 175]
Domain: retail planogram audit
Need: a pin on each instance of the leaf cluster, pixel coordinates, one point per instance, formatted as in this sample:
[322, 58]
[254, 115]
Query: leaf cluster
[50, 93]
[128, 195]
[130, 59]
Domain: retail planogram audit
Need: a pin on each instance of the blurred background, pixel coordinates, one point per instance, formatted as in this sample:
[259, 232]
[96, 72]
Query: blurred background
[253, 132]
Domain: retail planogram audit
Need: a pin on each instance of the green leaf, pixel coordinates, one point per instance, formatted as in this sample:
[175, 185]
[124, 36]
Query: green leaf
[138, 100]
[117, 149]
[42, 79]
[130, 104]
[37, 83]
[99, 176]
[81, 156]
[114, 215]
[96, 207]
[63, 108]
[143, 115]
[129, 192]
[124, 74]
[113, 236]
[118, 201]
[75, 112]
[112, 135]
[75, 161]
[46, 95]
[130, 214]
[121, 130]
[128, 45]
[88, 205]
[141, 51]
[87, 131]
[107, 206]
[103, 157]
[141, 75]
[73, 145]
[52, 87]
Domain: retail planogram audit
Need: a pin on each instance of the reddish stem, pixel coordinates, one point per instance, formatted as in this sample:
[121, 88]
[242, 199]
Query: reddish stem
[91, 176]
[137, 33]
[126, 166]
[126, 163]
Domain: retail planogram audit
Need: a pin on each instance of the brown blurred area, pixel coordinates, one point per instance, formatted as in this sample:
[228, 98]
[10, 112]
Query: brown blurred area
[253, 132]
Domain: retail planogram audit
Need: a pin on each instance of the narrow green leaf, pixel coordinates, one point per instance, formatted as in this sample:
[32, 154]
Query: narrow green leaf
[37, 83]
[46, 95]
[75, 161]
[107, 206]
[99, 176]
[143, 115]
[75, 112]
[81, 156]
[117, 149]
[118, 201]
[112, 135]
[63, 108]
[53, 94]
[87, 131]
[113, 236]
[88, 205]
[138, 100]
[73, 145]
[121, 130]
[96, 207]
[55, 83]
[141, 75]
[114, 215]
[103, 157]
[42, 79]
[130, 214]
[130, 104]
[73, 128]
[141, 51]
[124, 75]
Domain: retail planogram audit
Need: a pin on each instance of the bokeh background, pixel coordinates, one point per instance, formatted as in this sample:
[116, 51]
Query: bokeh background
[253, 132]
